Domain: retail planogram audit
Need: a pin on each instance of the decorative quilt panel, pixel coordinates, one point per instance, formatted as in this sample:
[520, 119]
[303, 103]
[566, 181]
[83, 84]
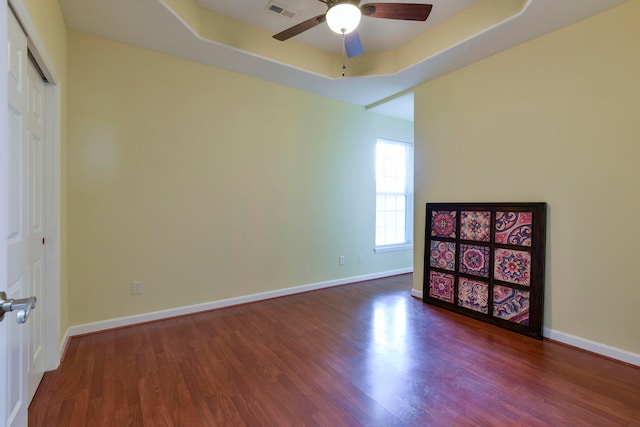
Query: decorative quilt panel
[512, 266]
[473, 295]
[511, 304]
[441, 286]
[475, 226]
[474, 260]
[443, 223]
[514, 228]
[443, 255]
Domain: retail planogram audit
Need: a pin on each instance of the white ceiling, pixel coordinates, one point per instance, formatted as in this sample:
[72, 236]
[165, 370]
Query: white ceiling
[153, 24]
[375, 34]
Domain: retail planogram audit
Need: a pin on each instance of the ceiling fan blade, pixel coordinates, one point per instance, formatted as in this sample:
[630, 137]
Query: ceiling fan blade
[352, 44]
[403, 11]
[301, 27]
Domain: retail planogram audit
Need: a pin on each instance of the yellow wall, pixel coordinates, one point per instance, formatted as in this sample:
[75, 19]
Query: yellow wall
[554, 120]
[51, 29]
[205, 184]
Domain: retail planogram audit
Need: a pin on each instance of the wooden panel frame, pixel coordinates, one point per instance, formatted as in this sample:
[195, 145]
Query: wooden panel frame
[487, 261]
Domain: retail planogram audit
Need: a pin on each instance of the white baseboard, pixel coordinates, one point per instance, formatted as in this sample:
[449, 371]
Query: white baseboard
[592, 346]
[119, 322]
[581, 343]
[63, 345]
[87, 328]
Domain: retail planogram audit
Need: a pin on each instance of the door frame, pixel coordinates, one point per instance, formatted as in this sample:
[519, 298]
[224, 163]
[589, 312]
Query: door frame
[4, 194]
[53, 346]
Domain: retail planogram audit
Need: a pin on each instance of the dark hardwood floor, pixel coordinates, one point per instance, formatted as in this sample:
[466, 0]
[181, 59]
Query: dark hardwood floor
[363, 354]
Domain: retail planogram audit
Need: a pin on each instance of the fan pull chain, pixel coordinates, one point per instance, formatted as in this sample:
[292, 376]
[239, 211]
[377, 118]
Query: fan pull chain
[344, 52]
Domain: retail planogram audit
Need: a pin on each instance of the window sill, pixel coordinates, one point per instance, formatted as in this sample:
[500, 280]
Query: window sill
[393, 248]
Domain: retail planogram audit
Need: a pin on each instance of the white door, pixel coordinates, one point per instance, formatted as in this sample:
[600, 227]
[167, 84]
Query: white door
[19, 270]
[36, 224]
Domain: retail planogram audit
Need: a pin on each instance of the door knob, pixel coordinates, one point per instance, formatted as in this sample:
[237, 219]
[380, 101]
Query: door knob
[22, 306]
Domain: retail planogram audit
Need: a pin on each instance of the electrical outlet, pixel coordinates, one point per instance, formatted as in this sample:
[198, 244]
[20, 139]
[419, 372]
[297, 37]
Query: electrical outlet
[341, 259]
[136, 288]
[360, 258]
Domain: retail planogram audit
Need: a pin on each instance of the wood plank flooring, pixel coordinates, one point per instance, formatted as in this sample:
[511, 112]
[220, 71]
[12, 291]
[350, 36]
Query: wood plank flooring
[366, 354]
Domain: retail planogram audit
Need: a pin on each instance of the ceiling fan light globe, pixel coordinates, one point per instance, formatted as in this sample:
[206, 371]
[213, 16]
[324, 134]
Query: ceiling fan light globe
[343, 18]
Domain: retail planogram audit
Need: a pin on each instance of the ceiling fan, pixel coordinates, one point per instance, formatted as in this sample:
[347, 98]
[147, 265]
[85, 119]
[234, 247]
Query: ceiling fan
[343, 17]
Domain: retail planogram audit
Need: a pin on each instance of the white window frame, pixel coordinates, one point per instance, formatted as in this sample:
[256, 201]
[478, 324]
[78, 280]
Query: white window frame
[408, 241]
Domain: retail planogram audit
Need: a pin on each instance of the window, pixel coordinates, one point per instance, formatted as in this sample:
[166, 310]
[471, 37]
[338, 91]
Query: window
[394, 195]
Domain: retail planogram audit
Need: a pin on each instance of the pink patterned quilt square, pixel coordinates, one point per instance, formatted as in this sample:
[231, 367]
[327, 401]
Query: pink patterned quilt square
[473, 295]
[441, 286]
[512, 266]
[514, 228]
[443, 255]
[443, 223]
[475, 225]
[511, 304]
[474, 259]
